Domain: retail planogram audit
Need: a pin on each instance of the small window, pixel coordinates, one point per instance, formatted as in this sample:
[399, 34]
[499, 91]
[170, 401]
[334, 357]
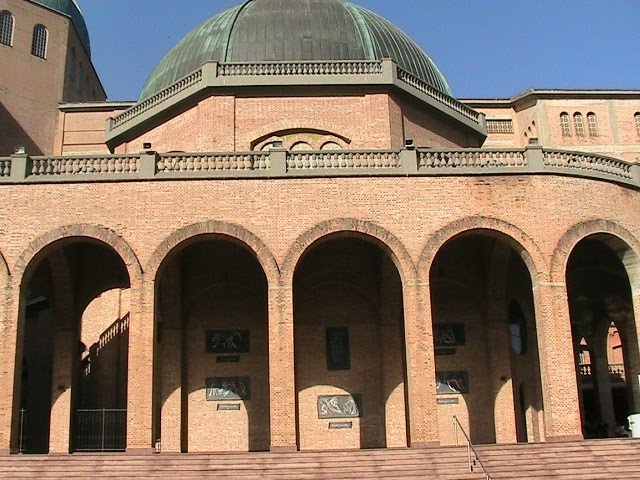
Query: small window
[6, 28]
[637, 118]
[578, 122]
[592, 124]
[499, 126]
[564, 123]
[298, 146]
[39, 45]
[330, 146]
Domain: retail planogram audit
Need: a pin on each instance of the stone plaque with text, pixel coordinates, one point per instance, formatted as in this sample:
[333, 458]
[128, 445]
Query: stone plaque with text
[340, 425]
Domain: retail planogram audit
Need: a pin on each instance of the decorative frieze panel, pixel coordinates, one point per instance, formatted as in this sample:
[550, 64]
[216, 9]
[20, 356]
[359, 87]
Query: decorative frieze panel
[339, 406]
[220, 389]
[228, 341]
[448, 383]
[449, 335]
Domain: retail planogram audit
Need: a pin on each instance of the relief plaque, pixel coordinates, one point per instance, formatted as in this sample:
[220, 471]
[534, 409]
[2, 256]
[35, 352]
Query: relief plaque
[338, 351]
[448, 383]
[227, 341]
[220, 389]
[449, 335]
[339, 406]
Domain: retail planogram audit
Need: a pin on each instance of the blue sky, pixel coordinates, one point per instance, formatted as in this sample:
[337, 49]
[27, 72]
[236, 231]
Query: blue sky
[485, 48]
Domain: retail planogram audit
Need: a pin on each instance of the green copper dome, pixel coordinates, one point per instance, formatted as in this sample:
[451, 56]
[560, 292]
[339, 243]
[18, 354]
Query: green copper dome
[293, 30]
[72, 10]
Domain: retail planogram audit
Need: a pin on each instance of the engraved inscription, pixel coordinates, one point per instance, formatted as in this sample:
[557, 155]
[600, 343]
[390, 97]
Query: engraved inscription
[340, 425]
[227, 341]
[339, 406]
[228, 407]
[220, 389]
[452, 383]
[228, 359]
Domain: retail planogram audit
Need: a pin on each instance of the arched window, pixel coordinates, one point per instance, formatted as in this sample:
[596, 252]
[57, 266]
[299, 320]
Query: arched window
[330, 146]
[564, 124]
[300, 146]
[39, 45]
[578, 122]
[637, 118]
[517, 329]
[6, 28]
[592, 123]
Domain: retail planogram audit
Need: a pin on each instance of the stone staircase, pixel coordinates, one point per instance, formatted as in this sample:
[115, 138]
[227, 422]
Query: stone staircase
[435, 464]
[614, 459]
[589, 460]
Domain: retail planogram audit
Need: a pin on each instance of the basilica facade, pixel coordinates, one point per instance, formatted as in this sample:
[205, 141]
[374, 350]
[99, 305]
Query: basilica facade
[298, 239]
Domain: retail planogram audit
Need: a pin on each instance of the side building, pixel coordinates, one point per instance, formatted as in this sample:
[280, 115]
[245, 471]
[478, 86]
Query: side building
[45, 59]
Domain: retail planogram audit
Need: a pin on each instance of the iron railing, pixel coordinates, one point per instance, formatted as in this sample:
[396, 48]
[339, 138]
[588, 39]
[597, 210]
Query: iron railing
[472, 455]
[100, 430]
[22, 436]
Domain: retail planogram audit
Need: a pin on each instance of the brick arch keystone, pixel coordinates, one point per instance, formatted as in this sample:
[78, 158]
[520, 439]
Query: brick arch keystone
[381, 237]
[236, 232]
[103, 235]
[520, 241]
[629, 256]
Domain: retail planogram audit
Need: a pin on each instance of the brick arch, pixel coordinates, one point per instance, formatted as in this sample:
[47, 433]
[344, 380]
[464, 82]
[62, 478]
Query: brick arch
[4, 270]
[621, 241]
[520, 241]
[251, 241]
[108, 237]
[381, 237]
[293, 124]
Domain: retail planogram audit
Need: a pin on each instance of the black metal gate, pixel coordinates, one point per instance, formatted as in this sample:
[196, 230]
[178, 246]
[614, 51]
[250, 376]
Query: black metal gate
[100, 430]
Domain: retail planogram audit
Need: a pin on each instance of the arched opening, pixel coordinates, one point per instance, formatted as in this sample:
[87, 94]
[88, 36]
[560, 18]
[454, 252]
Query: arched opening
[6, 28]
[73, 336]
[212, 367]
[604, 333]
[349, 346]
[487, 363]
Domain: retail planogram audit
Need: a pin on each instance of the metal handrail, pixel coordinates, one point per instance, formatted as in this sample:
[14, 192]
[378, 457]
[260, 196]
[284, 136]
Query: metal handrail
[475, 458]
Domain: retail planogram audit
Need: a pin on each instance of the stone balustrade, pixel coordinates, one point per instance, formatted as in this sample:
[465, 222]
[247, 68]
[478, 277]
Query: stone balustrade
[139, 108]
[5, 167]
[436, 94]
[335, 163]
[343, 160]
[378, 72]
[90, 165]
[354, 67]
[212, 162]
